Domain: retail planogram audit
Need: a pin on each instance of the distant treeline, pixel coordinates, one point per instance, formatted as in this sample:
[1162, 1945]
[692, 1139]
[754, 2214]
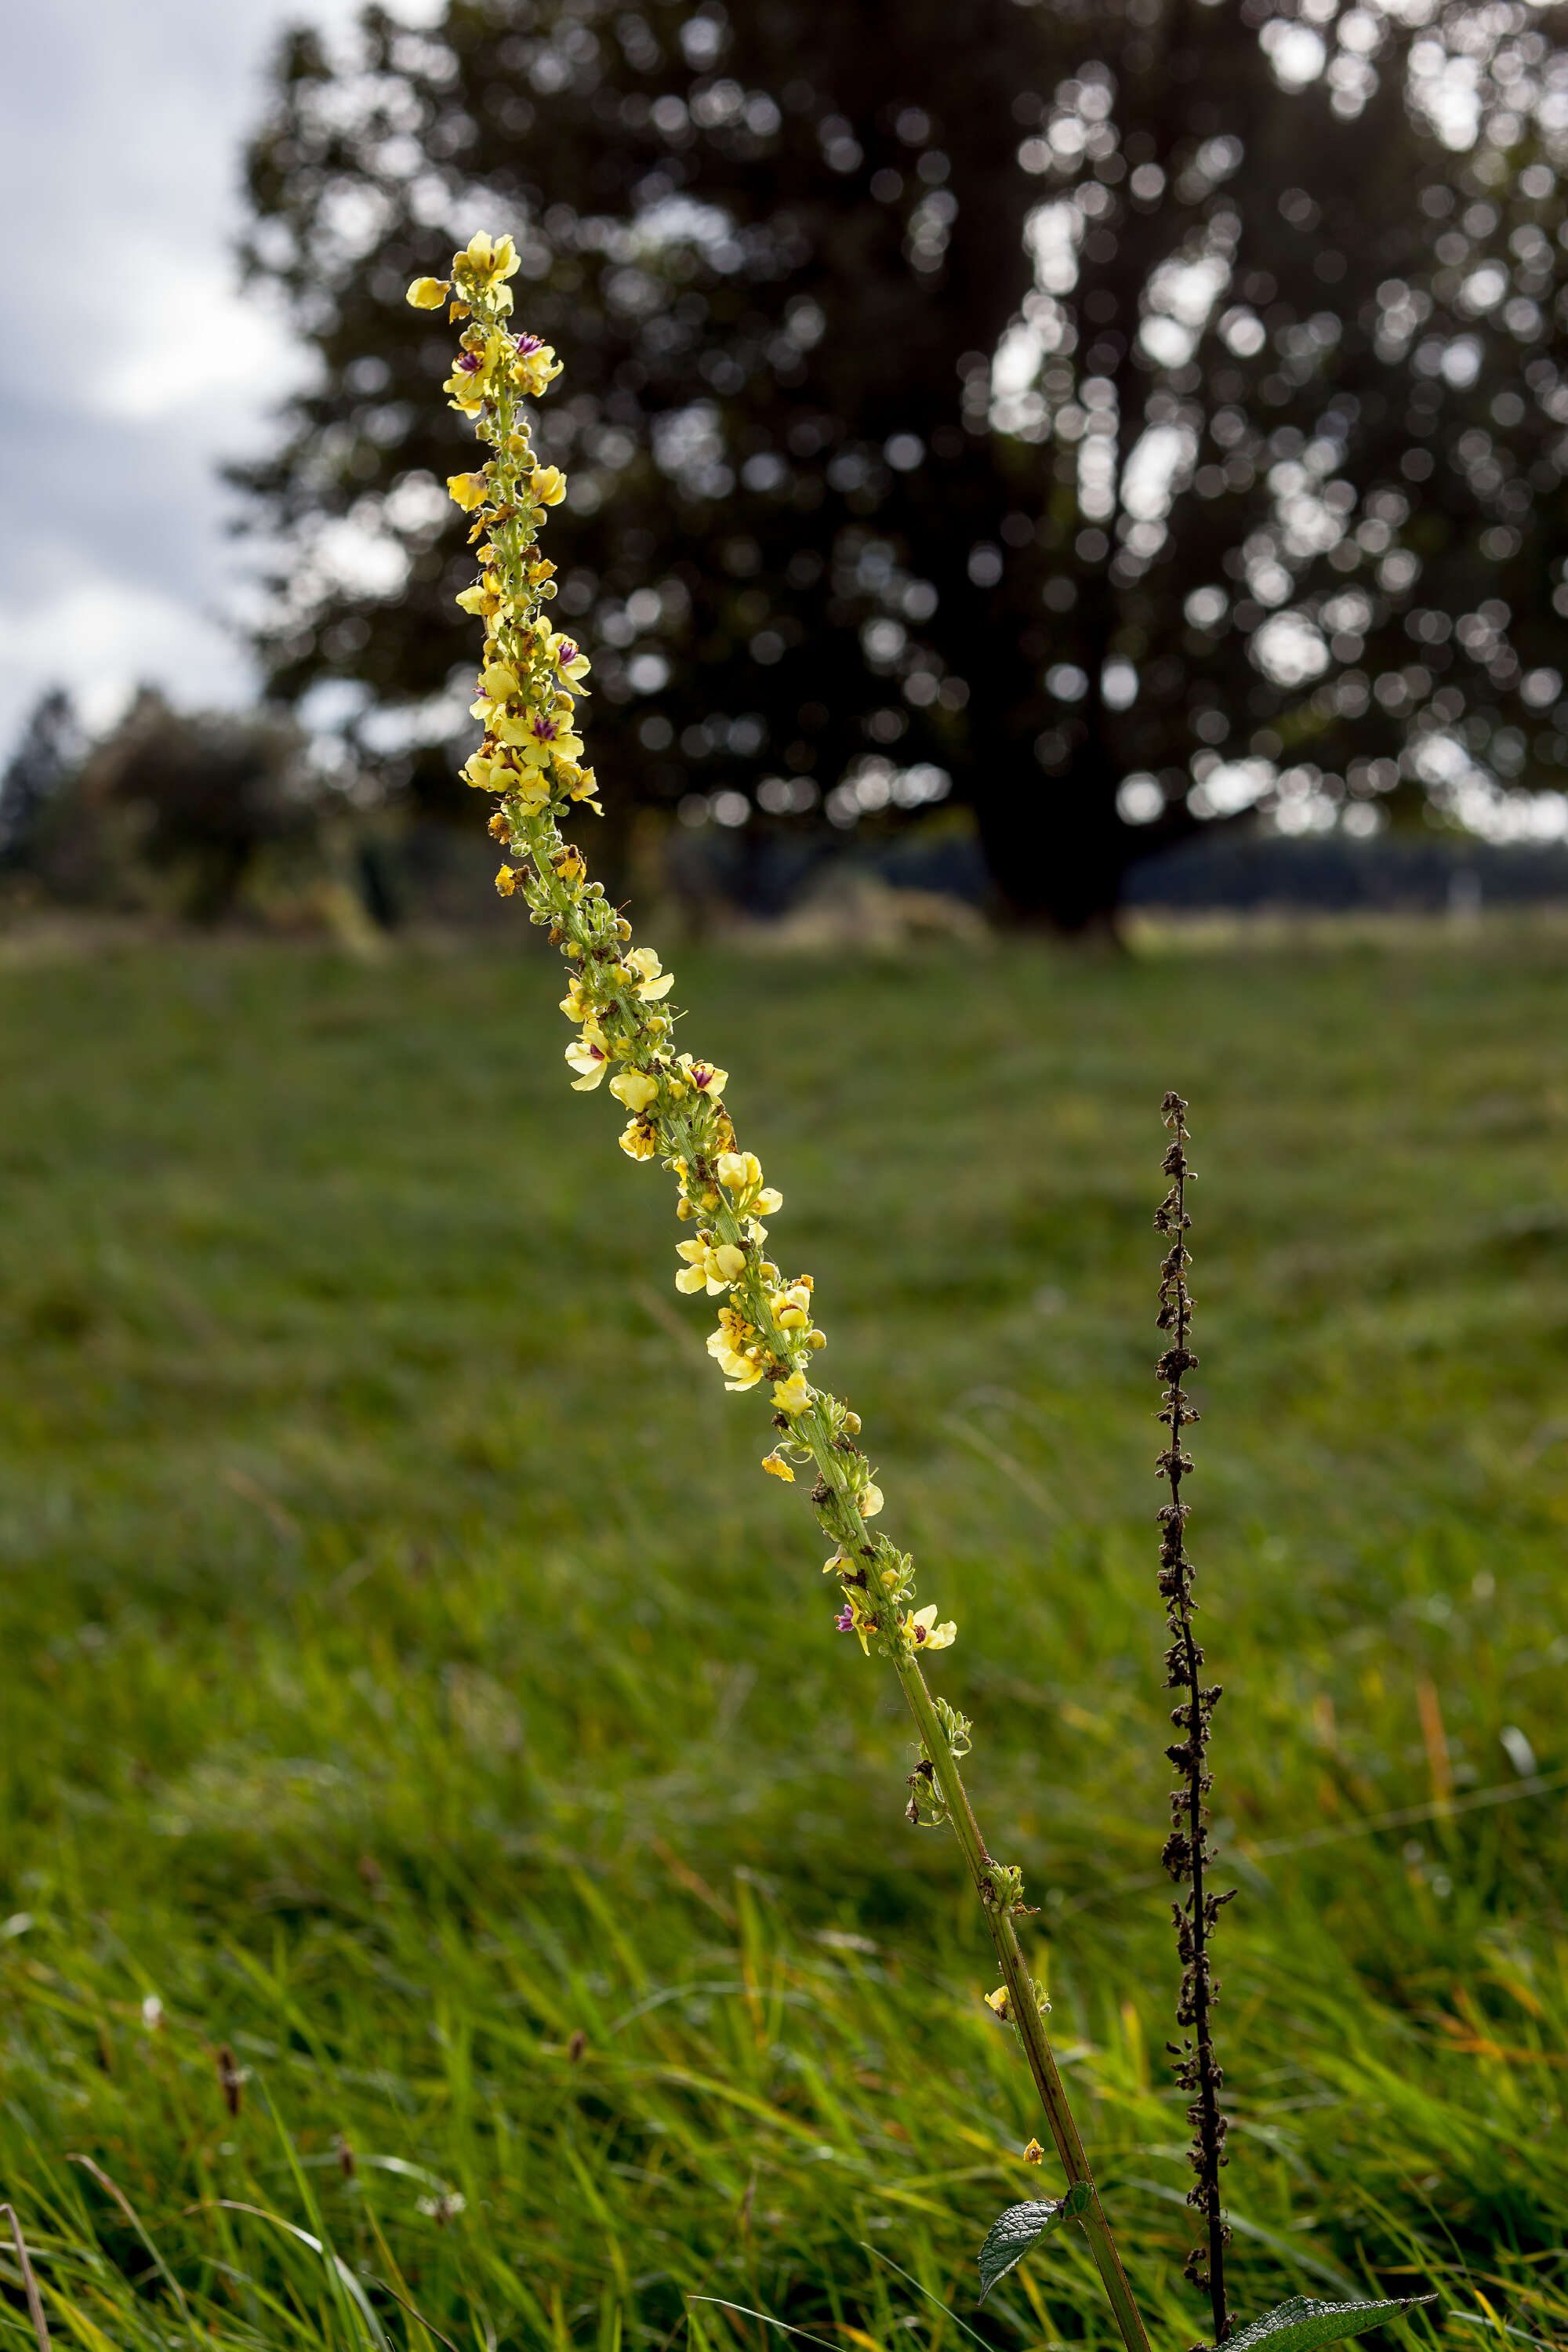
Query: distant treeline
[220, 816]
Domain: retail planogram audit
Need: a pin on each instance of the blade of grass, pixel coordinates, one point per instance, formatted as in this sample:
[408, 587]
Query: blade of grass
[334, 2261]
[34, 2302]
[946, 2310]
[767, 2319]
[165, 2273]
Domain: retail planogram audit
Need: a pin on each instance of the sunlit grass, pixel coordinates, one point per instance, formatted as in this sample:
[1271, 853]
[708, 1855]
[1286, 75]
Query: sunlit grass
[409, 1672]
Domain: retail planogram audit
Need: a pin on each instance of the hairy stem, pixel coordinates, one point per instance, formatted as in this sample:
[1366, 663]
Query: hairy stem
[1186, 1850]
[1023, 2004]
[1023, 2001]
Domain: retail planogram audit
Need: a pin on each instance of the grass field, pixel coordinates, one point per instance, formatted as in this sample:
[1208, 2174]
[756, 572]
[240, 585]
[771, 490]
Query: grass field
[412, 1685]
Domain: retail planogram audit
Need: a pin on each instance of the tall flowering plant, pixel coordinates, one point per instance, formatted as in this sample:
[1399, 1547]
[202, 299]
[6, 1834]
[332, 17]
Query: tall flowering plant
[530, 688]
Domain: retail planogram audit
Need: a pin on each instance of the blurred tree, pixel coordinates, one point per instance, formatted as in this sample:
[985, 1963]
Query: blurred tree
[1068, 403]
[51, 751]
[177, 807]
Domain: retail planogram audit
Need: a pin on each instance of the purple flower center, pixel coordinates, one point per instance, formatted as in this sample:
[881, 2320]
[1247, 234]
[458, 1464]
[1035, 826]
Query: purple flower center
[545, 729]
[845, 1623]
[470, 364]
[568, 652]
[529, 344]
[702, 1076]
[919, 1633]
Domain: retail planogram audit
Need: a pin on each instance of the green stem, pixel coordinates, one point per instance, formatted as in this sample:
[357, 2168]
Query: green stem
[1023, 2003]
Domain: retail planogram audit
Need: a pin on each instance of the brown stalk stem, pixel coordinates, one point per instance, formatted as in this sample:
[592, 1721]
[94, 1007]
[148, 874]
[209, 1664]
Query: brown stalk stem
[1202, 2025]
[1187, 1851]
[1023, 2004]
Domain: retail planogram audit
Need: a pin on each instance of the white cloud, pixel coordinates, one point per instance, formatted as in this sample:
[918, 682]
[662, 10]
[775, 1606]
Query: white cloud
[121, 131]
[101, 636]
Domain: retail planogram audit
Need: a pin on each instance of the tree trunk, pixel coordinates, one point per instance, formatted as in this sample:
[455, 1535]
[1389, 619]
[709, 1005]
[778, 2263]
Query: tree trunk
[1056, 846]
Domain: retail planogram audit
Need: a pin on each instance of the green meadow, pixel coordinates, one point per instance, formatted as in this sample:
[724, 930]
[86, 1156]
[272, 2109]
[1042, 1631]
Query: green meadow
[425, 1731]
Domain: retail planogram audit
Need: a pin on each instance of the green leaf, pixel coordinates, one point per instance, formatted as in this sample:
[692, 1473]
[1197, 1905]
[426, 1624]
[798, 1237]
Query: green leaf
[1012, 2233]
[1302, 2323]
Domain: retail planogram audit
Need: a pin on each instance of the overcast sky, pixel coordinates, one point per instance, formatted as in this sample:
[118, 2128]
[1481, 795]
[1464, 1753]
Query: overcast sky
[130, 364]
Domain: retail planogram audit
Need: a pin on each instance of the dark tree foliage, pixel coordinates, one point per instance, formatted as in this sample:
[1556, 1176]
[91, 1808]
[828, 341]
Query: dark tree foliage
[174, 807]
[51, 751]
[1054, 398]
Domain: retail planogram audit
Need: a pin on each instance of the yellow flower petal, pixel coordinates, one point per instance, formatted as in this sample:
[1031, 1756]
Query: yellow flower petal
[635, 1088]
[794, 1395]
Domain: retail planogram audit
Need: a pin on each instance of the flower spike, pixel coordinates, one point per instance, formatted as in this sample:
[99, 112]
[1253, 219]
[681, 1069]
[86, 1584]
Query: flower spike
[526, 698]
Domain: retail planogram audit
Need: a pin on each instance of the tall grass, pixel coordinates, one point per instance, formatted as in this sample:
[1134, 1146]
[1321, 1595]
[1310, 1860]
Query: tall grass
[303, 1490]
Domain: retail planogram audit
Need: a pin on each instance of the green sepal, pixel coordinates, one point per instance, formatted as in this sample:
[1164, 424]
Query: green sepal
[1303, 2322]
[1012, 2233]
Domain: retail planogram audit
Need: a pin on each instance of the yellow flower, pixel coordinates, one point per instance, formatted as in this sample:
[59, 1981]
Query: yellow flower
[637, 1140]
[469, 490]
[532, 791]
[568, 656]
[794, 1395]
[791, 1307]
[540, 736]
[591, 1056]
[998, 2002]
[536, 366]
[633, 1087]
[1034, 2153]
[485, 262]
[741, 1172]
[777, 1467]
[427, 293]
[651, 982]
[578, 1005]
[833, 1567]
[853, 1619]
[703, 1077]
[506, 880]
[710, 1266]
[925, 1634]
[732, 1349]
[486, 773]
[548, 484]
[482, 363]
[484, 597]
[869, 1499]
